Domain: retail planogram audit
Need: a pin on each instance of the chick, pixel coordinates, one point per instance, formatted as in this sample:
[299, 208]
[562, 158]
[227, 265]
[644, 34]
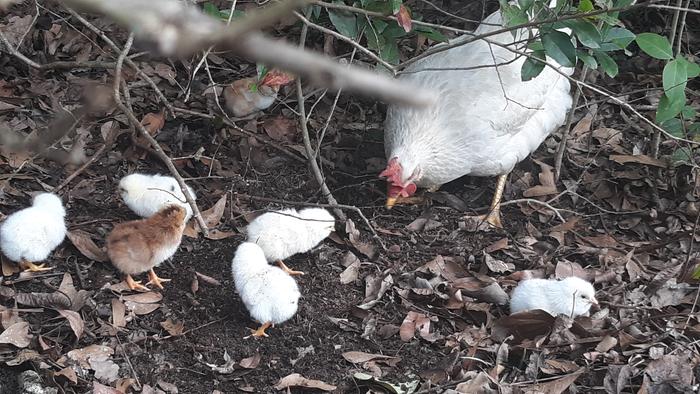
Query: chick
[148, 194]
[284, 233]
[139, 245]
[555, 297]
[270, 295]
[29, 235]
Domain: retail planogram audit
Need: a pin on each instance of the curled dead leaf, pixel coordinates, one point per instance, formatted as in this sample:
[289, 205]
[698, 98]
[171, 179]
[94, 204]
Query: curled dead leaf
[296, 380]
[85, 245]
[174, 328]
[17, 335]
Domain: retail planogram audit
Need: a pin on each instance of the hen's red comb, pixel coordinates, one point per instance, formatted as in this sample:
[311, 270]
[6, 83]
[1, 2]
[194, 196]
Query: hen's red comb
[392, 172]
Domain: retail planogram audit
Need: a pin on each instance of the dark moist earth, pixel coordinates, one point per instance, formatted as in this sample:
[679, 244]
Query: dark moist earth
[629, 227]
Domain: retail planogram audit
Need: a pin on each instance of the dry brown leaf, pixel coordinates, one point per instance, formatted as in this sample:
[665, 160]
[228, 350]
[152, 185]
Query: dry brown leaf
[496, 246]
[403, 18]
[98, 388]
[194, 285]
[82, 241]
[555, 386]
[412, 322]
[211, 216]
[153, 122]
[143, 303]
[528, 324]
[280, 128]
[118, 313]
[483, 288]
[83, 355]
[547, 185]
[641, 159]
[65, 298]
[354, 237]
[296, 380]
[356, 357]
[251, 362]
[174, 328]
[566, 269]
[606, 344]
[75, 321]
[207, 279]
[17, 335]
[498, 266]
[68, 373]
[350, 273]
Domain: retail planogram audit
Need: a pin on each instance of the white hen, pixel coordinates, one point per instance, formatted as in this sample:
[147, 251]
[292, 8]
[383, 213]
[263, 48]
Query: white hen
[148, 194]
[270, 295]
[286, 232]
[571, 296]
[485, 119]
[31, 234]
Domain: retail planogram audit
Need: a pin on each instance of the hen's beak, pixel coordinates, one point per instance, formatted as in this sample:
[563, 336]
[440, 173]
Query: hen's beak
[594, 302]
[390, 202]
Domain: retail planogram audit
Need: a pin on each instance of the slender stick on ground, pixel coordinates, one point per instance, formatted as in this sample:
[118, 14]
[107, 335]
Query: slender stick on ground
[154, 144]
[307, 140]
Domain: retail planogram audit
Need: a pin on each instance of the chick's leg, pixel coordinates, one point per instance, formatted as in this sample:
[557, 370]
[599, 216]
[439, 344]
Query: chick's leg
[135, 285]
[286, 269]
[29, 266]
[154, 279]
[493, 217]
[260, 332]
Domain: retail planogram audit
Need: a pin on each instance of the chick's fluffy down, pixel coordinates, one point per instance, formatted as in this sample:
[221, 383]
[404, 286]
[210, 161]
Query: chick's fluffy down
[269, 294]
[34, 232]
[287, 232]
[554, 296]
[148, 194]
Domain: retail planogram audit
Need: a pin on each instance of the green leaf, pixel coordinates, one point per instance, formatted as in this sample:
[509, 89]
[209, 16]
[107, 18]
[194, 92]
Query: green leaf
[526, 4]
[619, 37]
[344, 22]
[669, 108]
[430, 33]
[512, 14]
[261, 70]
[689, 112]
[674, 126]
[691, 69]
[531, 67]
[682, 156]
[586, 32]
[588, 60]
[585, 6]
[675, 78]
[395, 5]
[559, 47]
[607, 64]
[655, 45]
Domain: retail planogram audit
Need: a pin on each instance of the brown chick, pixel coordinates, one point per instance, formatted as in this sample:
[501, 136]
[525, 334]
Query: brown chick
[139, 245]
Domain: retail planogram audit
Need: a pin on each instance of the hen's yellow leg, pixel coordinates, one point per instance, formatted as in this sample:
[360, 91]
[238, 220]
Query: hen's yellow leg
[260, 332]
[29, 266]
[493, 217]
[288, 270]
[154, 279]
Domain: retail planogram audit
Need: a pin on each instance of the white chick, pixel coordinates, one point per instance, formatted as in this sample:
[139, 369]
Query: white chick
[31, 234]
[148, 194]
[270, 295]
[284, 233]
[556, 297]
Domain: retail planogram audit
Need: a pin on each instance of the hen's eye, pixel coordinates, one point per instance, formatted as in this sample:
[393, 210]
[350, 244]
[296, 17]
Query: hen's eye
[584, 297]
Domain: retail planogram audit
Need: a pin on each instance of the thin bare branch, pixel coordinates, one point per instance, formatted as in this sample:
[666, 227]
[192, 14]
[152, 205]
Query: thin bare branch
[177, 27]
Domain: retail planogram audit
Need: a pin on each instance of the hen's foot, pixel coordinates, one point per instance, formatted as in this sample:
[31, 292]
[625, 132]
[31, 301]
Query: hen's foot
[286, 269]
[260, 332]
[155, 280]
[135, 285]
[31, 267]
[493, 219]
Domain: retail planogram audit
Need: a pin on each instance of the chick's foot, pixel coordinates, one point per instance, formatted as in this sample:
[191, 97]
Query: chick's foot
[260, 332]
[155, 280]
[286, 269]
[31, 267]
[135, 285]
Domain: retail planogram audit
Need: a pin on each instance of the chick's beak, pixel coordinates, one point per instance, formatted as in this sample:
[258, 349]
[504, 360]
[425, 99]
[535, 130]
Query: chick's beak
[594, 301]
[390, 202]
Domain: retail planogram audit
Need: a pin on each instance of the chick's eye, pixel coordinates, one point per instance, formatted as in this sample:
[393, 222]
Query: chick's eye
[584, 297]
